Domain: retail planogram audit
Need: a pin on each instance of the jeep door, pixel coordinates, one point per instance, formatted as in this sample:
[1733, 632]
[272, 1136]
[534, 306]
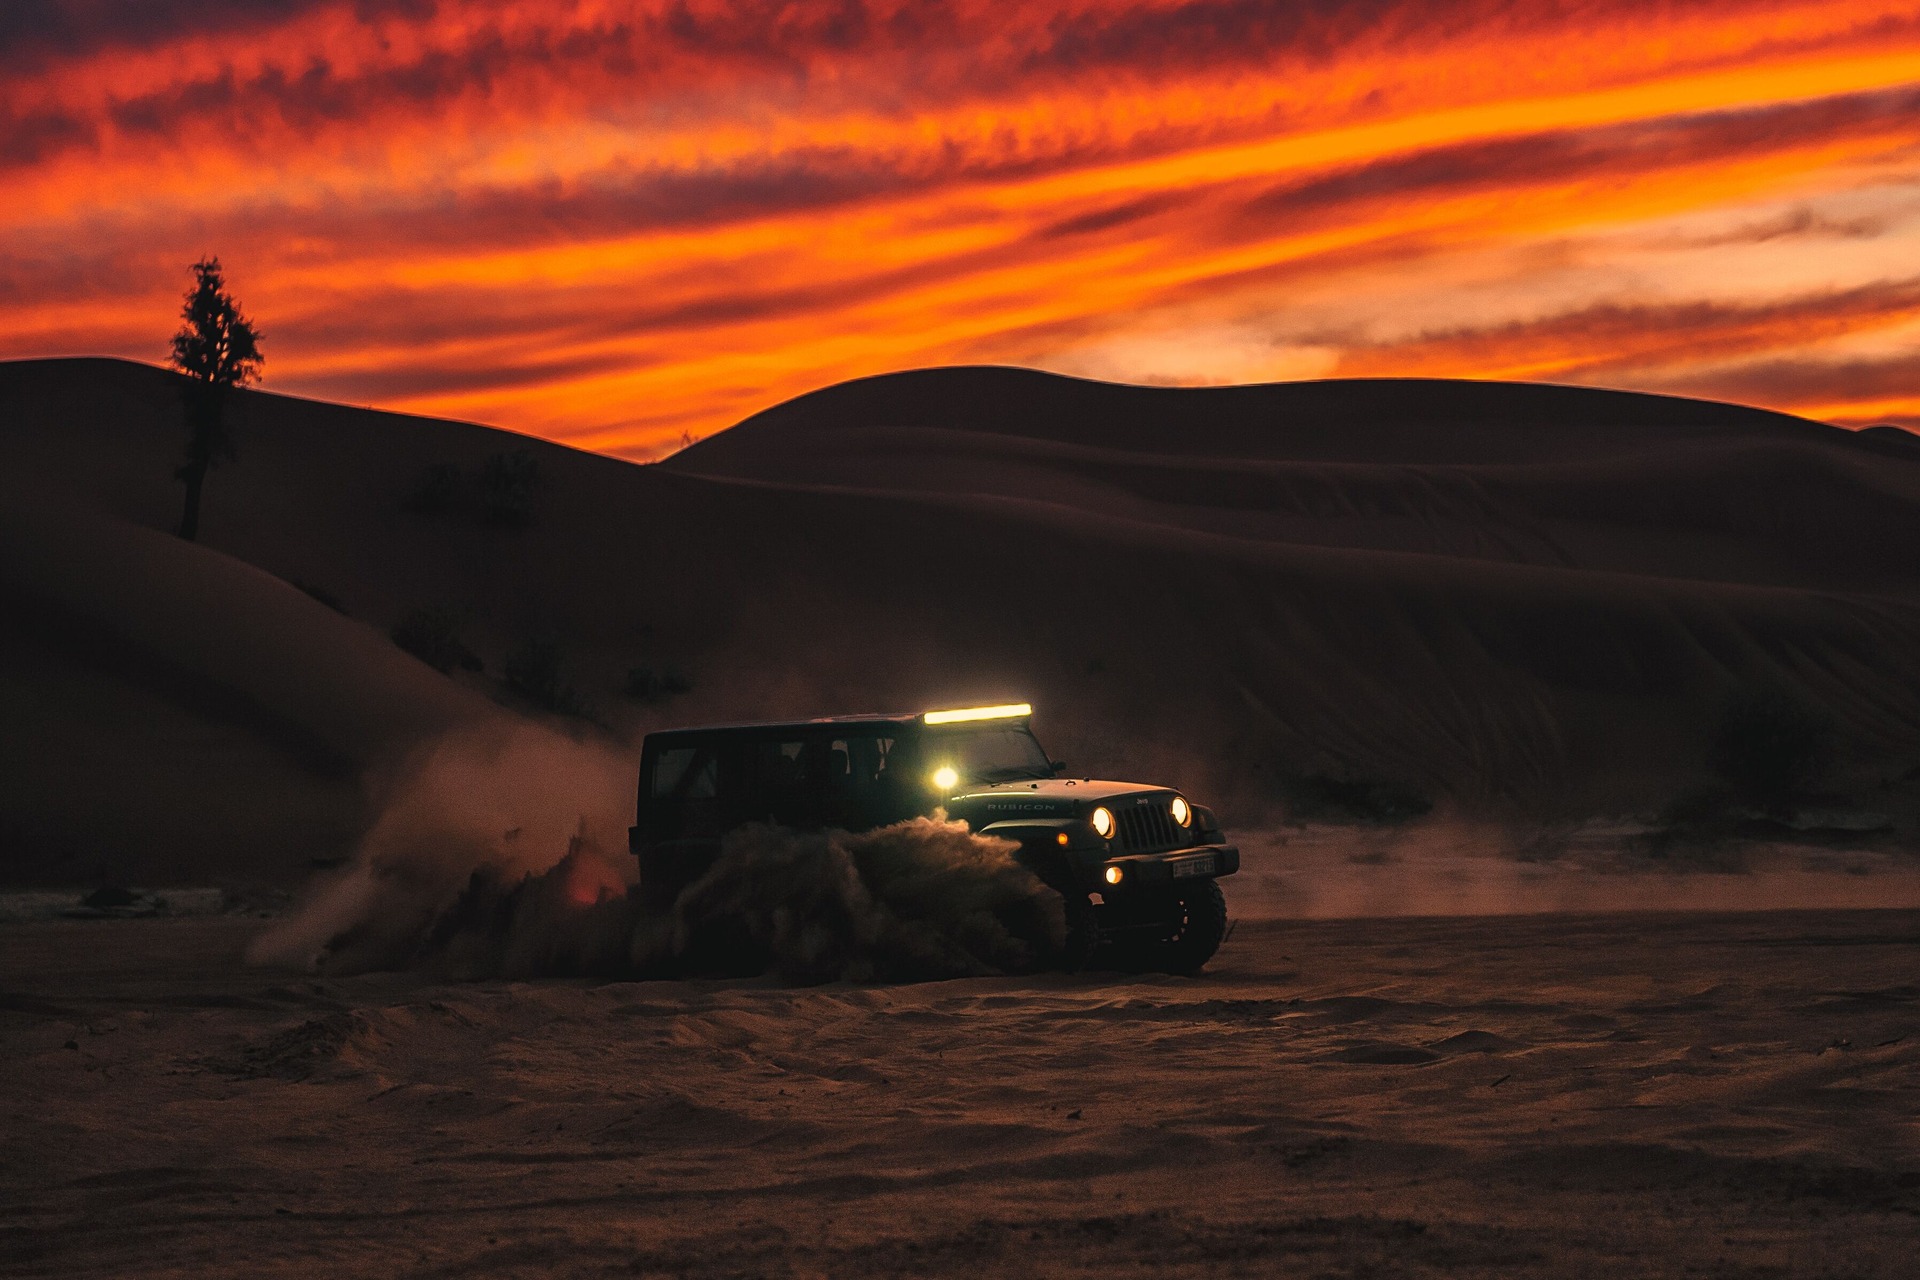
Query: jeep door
[683, 794]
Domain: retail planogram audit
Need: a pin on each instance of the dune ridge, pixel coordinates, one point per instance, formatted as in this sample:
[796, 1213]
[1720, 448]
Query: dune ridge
[1498, 599]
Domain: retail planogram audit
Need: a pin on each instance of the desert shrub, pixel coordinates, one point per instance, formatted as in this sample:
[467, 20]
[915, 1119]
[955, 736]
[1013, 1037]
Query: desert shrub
[507, 482]
[500, 494]
[435, 490]
[537, 671]
[1769, 748]
[433, 636]
[644, 684]
[1698, 818]
[1352, 799]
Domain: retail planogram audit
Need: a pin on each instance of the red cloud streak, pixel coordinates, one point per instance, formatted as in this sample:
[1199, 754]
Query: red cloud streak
[612, 224]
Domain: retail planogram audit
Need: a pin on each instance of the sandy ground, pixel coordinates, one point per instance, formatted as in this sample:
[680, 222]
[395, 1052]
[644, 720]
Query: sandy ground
[1616, 1095]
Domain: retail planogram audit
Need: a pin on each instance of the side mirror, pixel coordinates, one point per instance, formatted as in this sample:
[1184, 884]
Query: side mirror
[1059, 767]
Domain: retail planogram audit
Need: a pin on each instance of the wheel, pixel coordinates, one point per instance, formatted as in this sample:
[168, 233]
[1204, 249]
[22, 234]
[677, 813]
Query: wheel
[1193, 922]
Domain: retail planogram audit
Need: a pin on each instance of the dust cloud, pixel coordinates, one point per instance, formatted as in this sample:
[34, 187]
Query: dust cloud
[513, 800]
[506, 856]
[1452, 867]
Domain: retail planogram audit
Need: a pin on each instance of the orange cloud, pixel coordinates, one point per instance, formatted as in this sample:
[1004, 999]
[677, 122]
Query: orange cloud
[614, 223]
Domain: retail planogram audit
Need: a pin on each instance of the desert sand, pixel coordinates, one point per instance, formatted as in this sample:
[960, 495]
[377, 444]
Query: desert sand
[1518, 984]
[1504, 600]
[1679, 1094]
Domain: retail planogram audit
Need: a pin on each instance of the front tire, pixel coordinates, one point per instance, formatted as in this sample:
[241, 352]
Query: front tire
[1196, 923]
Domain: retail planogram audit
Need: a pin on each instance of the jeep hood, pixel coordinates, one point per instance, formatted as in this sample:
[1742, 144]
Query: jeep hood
[1064, 791]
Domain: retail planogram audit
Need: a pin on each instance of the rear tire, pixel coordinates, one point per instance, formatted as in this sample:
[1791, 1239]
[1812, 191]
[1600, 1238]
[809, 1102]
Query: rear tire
[1196, 923]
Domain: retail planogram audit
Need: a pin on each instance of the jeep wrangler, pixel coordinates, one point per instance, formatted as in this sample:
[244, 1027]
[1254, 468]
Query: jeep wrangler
[1138, 867]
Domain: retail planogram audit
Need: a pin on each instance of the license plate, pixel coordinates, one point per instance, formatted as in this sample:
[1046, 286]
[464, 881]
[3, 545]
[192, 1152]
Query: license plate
[1201, 866]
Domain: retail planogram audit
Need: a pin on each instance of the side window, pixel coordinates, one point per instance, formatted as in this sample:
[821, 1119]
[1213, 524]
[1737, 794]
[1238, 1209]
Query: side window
[780, 784]
[891, 760]
[780, 763]
[840, 773]
[776, 766]
[865, 760]
[686, 773]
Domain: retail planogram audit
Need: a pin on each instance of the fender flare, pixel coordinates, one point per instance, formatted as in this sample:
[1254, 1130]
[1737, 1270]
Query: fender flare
[1040, 849]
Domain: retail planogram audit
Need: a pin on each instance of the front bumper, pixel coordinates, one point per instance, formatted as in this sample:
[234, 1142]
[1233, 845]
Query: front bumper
[1168, 867]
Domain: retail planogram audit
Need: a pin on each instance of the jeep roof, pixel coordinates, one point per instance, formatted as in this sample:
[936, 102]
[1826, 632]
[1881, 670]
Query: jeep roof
[1012, 713]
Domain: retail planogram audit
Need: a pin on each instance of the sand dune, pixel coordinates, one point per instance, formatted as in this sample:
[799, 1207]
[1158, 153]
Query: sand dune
[175, 714]
[1524, 605]
[1504, 600]
[1499, 594]
[1565, 477]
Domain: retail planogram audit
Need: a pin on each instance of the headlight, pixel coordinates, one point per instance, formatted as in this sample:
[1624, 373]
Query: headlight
[1103, 823]
[946, 778]
[1182, 811]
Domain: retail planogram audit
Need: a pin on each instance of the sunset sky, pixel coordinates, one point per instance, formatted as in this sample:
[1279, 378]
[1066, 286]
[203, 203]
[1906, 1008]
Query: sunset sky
[612, 224]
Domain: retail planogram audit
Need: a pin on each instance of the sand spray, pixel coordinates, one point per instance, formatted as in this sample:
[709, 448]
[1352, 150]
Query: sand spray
[503, 854]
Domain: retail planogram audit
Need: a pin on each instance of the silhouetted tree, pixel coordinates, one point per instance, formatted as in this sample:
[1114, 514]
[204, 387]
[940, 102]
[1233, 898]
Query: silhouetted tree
[218, 349]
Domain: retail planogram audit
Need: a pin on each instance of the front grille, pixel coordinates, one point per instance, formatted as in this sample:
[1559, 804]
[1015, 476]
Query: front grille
[1145, 827]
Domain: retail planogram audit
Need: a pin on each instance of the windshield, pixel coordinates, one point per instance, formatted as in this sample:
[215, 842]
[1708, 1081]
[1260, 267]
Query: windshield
[988, 754]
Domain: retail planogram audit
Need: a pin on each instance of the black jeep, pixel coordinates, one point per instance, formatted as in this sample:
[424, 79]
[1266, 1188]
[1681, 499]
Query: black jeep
[1150, 857]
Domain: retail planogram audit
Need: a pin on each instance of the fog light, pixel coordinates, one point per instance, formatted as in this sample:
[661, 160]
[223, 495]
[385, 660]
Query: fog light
[1103, 823]
[1062, 837]
[946, 779]
[1182, 811]
[1114, 874]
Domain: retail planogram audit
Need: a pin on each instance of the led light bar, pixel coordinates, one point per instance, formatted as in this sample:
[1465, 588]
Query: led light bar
[1007, 712]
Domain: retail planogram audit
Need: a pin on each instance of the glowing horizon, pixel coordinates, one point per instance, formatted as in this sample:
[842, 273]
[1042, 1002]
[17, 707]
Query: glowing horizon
[617, 224]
